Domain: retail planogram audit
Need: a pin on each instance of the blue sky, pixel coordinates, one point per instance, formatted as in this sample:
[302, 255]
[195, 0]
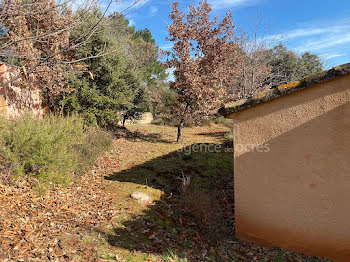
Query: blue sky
[319, 26]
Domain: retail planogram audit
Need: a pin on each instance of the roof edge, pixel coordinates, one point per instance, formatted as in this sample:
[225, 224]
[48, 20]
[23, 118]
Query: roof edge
[282, 90]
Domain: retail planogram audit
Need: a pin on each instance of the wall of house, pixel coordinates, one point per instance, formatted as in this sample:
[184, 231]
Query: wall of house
[16, 98]
[293, 189]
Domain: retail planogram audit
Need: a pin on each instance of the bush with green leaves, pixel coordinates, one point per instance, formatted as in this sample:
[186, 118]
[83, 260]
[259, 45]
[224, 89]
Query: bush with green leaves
[53, 149]
[115, 83]
[228, 140]
[288, 66]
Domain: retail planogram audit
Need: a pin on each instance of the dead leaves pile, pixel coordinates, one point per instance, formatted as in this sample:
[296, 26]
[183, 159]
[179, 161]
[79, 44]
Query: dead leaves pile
[30, 224]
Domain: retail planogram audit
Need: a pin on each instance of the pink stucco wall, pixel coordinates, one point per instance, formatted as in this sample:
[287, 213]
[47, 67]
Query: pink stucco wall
[296, 194]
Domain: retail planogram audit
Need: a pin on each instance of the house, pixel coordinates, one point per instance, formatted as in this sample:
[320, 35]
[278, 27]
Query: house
[16, 99]
[292, 165]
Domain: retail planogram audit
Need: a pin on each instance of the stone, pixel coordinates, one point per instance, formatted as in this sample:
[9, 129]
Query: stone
[141, 197]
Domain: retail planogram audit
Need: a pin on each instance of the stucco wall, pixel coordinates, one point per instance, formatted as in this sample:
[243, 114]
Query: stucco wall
[296, 195]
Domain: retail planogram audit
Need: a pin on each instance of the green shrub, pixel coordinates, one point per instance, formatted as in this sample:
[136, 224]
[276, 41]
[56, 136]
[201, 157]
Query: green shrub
[170, 256]
[228, 140]
[187, 157]
[52, 149]
[220, 120]
[159, 122]
[169, 120]
[214, 120]
[165, 121]
[97, 141]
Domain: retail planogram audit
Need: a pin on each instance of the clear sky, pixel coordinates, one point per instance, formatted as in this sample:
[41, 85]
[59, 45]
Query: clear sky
[319, 26]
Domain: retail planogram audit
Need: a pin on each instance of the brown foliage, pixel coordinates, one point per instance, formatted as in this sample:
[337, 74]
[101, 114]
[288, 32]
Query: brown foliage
[202, 59]
[36, 39]
[30, 224]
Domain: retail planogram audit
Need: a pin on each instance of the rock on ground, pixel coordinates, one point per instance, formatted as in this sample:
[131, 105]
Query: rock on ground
[141, 197]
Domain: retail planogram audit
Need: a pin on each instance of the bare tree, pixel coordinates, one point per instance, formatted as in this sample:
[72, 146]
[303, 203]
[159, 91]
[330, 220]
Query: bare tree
[254, 71]
[267, 63]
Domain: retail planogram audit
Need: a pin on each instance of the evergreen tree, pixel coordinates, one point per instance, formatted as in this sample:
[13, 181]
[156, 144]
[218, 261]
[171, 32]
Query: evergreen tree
[287, 66]
[112, 86]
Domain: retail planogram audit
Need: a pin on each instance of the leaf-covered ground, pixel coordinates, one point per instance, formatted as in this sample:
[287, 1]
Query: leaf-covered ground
[95, 219]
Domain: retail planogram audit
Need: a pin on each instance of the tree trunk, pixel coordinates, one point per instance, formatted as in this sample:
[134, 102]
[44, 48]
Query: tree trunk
[182, 122]
[124, 120]
[179, 129]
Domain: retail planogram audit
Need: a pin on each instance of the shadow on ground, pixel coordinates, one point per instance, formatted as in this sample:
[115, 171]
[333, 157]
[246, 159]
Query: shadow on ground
[122, 132]
[219, 135]
[194, 217]
[195, 212]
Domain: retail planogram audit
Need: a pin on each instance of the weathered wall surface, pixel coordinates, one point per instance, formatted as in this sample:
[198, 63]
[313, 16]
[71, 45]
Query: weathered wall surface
[15, 99]
[3, 105]
[145, 119]
[296, 195]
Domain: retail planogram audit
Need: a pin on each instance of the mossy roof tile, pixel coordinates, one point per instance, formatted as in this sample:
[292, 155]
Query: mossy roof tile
[275, 92]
